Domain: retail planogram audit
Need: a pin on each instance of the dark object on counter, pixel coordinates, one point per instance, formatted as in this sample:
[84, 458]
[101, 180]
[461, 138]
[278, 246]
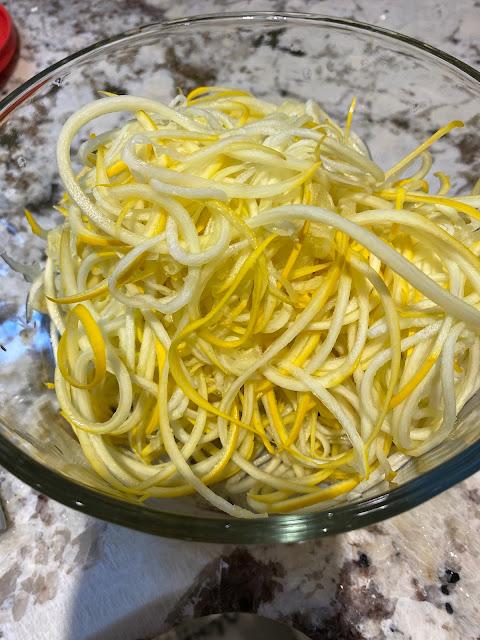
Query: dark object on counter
[8, 43]
[232, 626]
[452, 576]
[363, 561]
[3, 520]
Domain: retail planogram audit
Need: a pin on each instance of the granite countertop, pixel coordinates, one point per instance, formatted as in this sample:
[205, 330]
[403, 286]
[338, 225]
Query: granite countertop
[66, 576]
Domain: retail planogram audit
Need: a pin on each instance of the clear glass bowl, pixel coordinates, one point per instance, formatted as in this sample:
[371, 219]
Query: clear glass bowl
[406, 89]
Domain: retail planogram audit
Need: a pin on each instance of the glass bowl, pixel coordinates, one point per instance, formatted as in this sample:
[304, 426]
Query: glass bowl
[405, 89]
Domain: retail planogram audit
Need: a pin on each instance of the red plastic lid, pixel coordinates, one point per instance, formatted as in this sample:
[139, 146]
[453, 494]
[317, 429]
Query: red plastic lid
[8, 38]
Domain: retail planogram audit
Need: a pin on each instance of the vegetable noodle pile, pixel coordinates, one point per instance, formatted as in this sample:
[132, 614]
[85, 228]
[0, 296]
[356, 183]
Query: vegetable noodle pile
[244, 305]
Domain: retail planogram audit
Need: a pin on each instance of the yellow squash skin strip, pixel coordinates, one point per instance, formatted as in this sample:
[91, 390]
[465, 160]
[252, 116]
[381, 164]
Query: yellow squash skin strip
[448, 202]
[242, 299]
[425, 145]
[97, 344]
[34, 226]
[414, 382]
[91, 294]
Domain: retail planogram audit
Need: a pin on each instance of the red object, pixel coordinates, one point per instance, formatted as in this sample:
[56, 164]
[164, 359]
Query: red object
[8, 38]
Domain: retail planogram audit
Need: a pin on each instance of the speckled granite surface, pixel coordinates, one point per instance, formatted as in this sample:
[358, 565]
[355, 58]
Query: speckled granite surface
[65, 576]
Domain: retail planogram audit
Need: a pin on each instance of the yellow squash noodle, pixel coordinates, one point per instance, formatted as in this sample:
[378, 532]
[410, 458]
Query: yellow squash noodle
[244, 305]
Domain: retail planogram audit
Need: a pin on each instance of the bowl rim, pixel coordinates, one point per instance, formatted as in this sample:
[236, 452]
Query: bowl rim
[224, 529]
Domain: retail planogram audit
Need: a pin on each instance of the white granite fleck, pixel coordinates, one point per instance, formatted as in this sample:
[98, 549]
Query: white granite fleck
[66, 576]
